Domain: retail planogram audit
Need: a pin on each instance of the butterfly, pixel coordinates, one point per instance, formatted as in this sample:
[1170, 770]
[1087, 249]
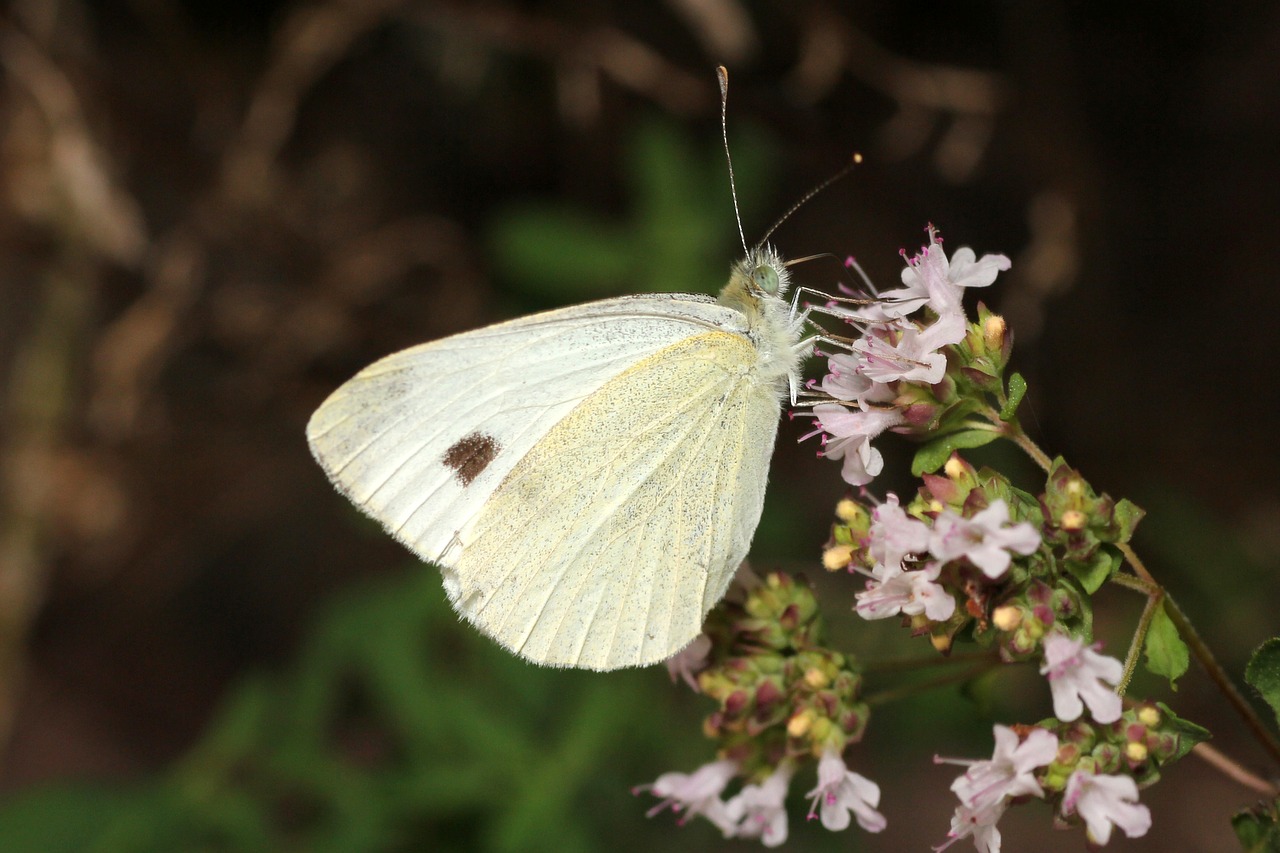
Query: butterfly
[589, 479]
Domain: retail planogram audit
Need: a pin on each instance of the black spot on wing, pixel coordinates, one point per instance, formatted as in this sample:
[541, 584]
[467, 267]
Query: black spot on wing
[470, 455]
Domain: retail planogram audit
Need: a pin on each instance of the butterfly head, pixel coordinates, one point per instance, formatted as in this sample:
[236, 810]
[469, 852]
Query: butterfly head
[761, 275]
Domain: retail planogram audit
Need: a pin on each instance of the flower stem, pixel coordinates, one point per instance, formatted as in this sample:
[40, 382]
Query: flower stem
[1139, 639]
[917, 662]
[893, 694]
[1014, 431]
[1233, 770]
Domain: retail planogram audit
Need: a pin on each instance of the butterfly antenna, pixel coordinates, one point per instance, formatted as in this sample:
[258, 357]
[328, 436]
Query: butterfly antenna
[853, 164]
[722, 74]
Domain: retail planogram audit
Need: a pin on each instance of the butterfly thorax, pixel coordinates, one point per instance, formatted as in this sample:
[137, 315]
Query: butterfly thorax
[757, 287]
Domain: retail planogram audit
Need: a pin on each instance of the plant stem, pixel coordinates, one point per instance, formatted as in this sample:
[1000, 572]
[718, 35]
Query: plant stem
[1230, 768]
[894, 694]
[1139, 638]
[1014, 430]
[916, 662]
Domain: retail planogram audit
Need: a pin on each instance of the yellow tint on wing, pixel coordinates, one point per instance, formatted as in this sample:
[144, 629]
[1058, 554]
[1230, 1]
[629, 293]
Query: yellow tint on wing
[606, 545]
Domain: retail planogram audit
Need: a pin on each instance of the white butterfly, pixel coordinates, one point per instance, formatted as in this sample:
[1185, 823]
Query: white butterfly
[588, 479]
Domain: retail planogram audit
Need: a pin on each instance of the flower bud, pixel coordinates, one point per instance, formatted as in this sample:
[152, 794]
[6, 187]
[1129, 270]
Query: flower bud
[1149, 716]
[993, 333]
[800, 724]
[816, 678]
[850, 511]
[837, 557]
[1073, 520]
[1136, 752]
[1007, 617]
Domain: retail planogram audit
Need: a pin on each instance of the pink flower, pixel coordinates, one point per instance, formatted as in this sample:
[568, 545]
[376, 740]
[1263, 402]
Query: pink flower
[1103, 802]
[1076, 673]
[843, 380]
[843, 792]
[914, 356]
[980, 823]
[759, 811]
[690, 661]
[851, 433]
[986, 539]
[696, 793]
[930, 279]
[894, 536]
[1009, 772]
[909, 593]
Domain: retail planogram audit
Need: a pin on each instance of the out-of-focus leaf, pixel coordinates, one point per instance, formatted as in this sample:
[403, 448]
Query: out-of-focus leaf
[1263, 673]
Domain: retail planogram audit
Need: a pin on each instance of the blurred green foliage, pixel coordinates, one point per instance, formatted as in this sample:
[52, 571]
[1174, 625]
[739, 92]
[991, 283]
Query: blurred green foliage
[680, 234]
[397, 729]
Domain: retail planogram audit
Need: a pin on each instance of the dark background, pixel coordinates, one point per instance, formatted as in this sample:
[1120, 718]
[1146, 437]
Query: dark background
[214, 213]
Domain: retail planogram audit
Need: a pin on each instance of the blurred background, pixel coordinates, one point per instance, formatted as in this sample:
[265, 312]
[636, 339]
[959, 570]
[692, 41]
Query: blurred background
[213, 213]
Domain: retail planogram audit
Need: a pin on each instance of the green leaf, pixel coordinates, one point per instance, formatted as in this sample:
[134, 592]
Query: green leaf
[1189, 734]
[935, 454]
[1258, 828]
[1127, 516]
[1017, 390]
[1093, 574]
[1166, 653]
[1263, 673]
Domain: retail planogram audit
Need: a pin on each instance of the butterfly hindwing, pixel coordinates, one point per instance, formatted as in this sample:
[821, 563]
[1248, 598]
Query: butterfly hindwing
[609, 542]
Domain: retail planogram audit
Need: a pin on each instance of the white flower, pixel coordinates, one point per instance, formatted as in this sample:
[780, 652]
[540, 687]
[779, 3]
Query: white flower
[759, 811]
[910, 593]
[914, 356]
[841, 792]
[690, 661]
[980, 823]
[1104, 801]
[931, 280]
[851, 433]
[696, 793]
[894, 535]
[1076, 673]
[843, 380]
[984, 539]
[1009, 772]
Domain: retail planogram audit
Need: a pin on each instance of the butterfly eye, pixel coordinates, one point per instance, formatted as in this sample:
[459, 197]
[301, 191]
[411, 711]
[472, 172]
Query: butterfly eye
[766, 278]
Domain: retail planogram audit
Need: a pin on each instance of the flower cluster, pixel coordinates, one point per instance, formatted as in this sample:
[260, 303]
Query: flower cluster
[1089, 772]
[784, 700]
[896, 373]
[970, 552]
[969, 558]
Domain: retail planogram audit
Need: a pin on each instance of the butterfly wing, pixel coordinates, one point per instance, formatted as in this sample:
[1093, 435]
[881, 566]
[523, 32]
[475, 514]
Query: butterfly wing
[588, 479]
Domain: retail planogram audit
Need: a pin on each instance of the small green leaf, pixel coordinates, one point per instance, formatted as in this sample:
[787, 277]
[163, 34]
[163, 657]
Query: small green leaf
[935, 454]
[1097, 571]
[1166, 653]
[1258, 829]
[1127, 516]
[1189, 734]
[1263, 673]
[1017, 390]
